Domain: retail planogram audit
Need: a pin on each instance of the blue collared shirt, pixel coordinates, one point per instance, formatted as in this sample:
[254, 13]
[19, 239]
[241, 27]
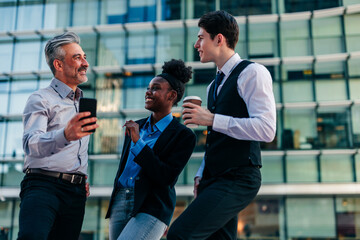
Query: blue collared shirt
[148, 136]
[45, 117]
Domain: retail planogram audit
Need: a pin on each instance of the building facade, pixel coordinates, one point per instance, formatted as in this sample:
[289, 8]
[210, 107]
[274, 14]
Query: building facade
[311, 171]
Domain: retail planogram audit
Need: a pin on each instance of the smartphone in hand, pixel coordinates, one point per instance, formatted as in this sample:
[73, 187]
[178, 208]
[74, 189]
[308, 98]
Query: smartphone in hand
[88, 105]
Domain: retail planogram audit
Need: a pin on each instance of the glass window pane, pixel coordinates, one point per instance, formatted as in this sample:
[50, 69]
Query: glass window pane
[102, 172]
[191, 37]
[109, 93]
[6, 55]
[203, 6]
[353, 65]
[171, 9]
[108, 138]
[330, 79]
[352, 32]
[241, 7]
[6, 208]
[113, 11]
[310, 218]
[2, 137]
[347, 215]
[295, 38]
[7, 15]
[301, 5]
[57, 14]
[141, 47]
[355, 114]
[4, 95]
[14, 139]
[170, 44]
[111, 50]
[191, 169]
[142, 11]
[12, 174]
[327, 34]
[30, 15]
[301, 169]
[336, 168]
[91, 218]
[357, 167]
[262, 40]
[333, 127]
[27, 56]
[85, 13]
[272, 170]
[300, 130]
[20, 92]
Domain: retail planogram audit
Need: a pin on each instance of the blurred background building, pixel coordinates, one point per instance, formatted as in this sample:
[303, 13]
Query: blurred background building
[311, 171]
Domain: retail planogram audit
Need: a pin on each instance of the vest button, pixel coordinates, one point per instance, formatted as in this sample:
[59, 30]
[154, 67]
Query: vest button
[208, 133]
[213, 108]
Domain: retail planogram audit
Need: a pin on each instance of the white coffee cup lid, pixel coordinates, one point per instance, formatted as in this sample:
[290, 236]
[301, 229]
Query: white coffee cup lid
[192, 97]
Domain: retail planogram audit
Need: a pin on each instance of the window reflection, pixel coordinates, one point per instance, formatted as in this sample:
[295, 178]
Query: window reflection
[352, 32]
[108, 137]
[301, 5]
[347, 217]
[203, 6]
[111, 50]
[2, 137]
[21, 89]
[272, 170]
[4, 95]
[171, 9]
[262, 40]
[102, 172]
[336, 168]
[243, 7]
[7, 15]
[6, 55]
[109, 93]
[333, 128]
[355, 114]
[141, 47]
[260, 220]
[30, 15]
[300, 129]
[170, 44]
[13, 144]
[57, 14]
[27, 55]
[295, 38]
[12, 174]
[85, 13]
[302, 169]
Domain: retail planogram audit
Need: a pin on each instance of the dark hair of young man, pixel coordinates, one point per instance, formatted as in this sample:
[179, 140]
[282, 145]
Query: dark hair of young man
[221, 22]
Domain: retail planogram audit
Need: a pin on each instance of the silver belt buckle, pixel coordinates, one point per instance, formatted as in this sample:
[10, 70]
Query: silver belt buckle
[72, 178]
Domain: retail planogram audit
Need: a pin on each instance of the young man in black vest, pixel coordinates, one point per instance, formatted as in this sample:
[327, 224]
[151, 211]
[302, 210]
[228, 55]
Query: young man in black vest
[241, 113]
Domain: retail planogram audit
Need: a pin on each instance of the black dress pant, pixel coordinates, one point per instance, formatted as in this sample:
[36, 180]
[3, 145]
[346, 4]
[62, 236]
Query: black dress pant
[213, 214]
[50, 208]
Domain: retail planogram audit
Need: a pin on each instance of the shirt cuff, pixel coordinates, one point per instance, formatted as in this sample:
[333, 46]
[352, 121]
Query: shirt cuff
[60, 138]
[220, 123]
[138, 146]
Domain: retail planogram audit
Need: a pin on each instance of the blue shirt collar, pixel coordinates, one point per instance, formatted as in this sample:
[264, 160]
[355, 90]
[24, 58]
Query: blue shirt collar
[160, 125]
[64, 90]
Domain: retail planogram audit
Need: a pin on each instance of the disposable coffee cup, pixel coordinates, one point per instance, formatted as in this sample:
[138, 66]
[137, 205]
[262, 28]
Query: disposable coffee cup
[195, 100]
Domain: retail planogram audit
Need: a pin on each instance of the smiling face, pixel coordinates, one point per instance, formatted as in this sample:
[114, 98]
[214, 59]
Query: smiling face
[72, 68]
[205, 46]
[159, 96]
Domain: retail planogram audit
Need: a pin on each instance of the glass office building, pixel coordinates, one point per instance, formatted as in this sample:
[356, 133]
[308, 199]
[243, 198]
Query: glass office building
[311, 171]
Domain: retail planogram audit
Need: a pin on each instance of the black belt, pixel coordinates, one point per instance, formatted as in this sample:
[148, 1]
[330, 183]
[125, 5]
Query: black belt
[72, 178]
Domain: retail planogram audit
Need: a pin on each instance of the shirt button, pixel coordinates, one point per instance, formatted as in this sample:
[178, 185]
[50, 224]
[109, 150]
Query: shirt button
[131, 178]
[213, 107]
[149, 135]
[127, 191]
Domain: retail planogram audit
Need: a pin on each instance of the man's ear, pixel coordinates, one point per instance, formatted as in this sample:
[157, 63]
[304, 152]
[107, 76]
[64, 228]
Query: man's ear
[58, 65]
[220, 38]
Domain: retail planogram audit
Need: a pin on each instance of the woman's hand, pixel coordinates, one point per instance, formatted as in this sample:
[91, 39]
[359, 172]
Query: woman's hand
[132, 129]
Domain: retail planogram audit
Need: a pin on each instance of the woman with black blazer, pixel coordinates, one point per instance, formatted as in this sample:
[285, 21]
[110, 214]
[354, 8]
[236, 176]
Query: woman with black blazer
[155, 151]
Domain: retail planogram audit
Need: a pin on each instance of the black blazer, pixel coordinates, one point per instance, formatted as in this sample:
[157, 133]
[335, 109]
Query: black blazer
[160, 168]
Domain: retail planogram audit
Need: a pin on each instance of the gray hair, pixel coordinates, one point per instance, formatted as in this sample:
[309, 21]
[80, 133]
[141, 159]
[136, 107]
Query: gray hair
[53, 48]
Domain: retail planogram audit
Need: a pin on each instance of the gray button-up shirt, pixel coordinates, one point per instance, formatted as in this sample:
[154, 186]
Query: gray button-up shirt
[45, 117]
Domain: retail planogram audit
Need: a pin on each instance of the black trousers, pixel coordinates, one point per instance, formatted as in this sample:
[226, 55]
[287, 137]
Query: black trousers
[213, 214]
[50, 208]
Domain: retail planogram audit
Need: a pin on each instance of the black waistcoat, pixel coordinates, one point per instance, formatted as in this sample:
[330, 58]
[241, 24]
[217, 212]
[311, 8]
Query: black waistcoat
[223, 152]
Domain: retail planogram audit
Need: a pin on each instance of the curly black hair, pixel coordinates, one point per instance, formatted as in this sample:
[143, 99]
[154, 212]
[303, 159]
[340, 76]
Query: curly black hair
[177, 69]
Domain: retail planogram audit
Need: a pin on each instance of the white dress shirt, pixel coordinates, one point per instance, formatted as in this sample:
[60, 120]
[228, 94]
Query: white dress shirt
[254, 86]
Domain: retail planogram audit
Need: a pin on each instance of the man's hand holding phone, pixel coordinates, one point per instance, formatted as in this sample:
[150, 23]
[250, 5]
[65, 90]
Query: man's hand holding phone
[84, 123]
